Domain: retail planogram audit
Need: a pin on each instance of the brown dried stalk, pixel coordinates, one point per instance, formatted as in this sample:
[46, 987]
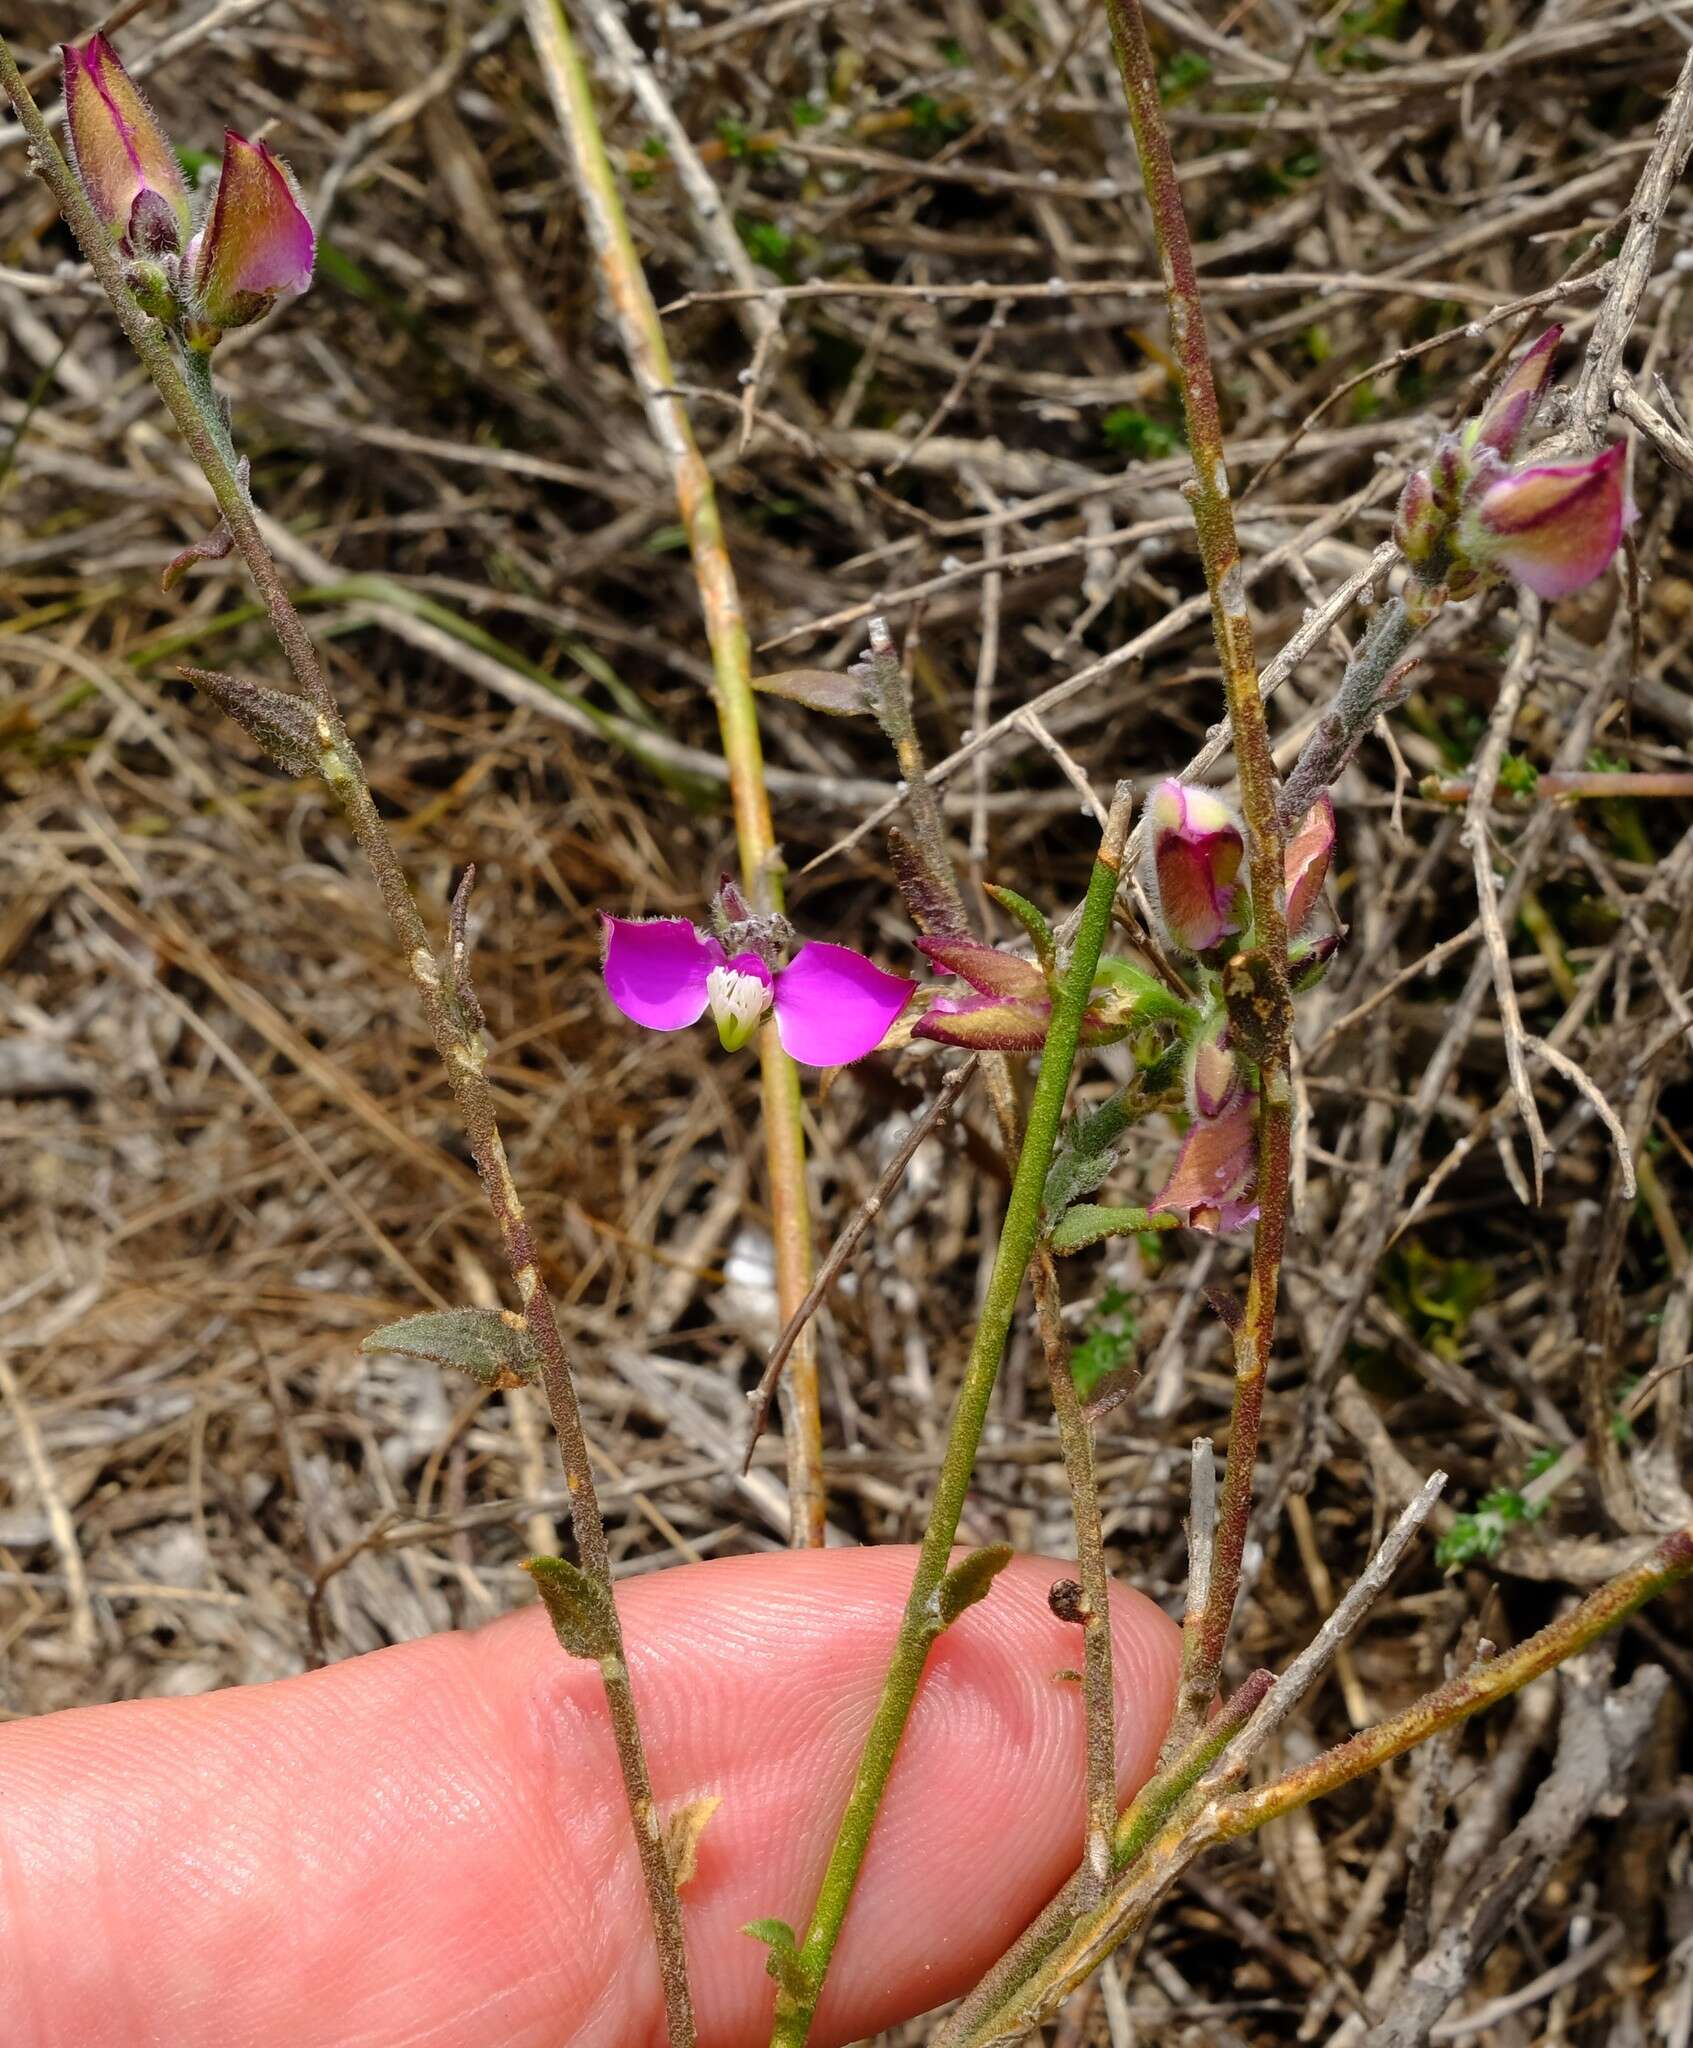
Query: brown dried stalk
[642, 334]
[444, 988]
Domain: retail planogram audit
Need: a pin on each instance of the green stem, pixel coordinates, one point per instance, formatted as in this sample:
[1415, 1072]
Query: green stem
[1018, 1235]
[446, 997]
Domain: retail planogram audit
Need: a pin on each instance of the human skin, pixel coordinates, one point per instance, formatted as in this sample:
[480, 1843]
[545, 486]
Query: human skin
[427, 1847]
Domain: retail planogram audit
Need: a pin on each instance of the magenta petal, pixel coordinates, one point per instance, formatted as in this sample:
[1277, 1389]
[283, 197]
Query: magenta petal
[656, 969]
[1215, 1168]
[985, 967]
[833, 1006]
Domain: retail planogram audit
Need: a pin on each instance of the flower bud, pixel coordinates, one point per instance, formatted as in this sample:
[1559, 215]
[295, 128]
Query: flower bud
[1307, 863]
[258, 246]
[123, 158]
[1553, 528]
[1510, 412]
[1194, 857]
[1213, 1073]
[1419, 523]
[1211, 1185]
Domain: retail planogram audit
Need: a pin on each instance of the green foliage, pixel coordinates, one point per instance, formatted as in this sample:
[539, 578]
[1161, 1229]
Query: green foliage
[494, 1348]
[1033, 922]
[768, 244]
[1477, 1536]
[806, 114]
[735, 136]
[1127, 431]
[794, 1988]
[932, 123]
[1185, 73]
[1109, 1344]
[970, 1581]
[1518, 775]
[579, 1607]
[1437, 1296]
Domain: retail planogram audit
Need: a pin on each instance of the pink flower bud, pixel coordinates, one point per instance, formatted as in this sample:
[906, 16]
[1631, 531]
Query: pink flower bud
[1213, 1073]
[1307, 864]
[1212, 1183]
[258, 246]
[1554, 528]
[1194, 857]
[1419, 523]
[123, 157]
[1510, 412]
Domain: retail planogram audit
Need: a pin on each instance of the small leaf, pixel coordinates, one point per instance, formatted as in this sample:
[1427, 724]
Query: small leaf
[841, 693]
[1088, 1223]
[579, 1607]
[1034, 923]
[970, 1581]
[929, 900]
[682, 1832]
[794, 1986]
[285, 726]
[491, 1344]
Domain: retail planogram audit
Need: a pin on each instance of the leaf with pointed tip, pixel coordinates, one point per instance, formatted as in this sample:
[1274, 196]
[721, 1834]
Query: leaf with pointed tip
[1074, 1174]
[285, 726]
[841, 693]
[579, 1607]
[793, 1981]
[970, 1581]
[682, 1831]
[491, 1344]
[1034, 923]
[1089, 1223]
[929, 899]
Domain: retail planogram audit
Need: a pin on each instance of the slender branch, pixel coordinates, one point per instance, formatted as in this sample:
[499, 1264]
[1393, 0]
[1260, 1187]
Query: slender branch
[1018, 1235]
[642, 335]
[1093, 1606]
[448, 1001]
[1642, 782]
[1219, 548]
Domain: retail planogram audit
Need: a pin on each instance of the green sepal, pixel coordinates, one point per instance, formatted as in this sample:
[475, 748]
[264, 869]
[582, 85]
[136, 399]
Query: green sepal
[969, 1582]
[1035, 924]
[579, 1607]
[490, 1344]
[1153, 1002]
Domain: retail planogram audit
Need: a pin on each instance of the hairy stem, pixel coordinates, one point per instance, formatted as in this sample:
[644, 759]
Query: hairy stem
[1358, 703]
[1017, 1239]
[642, 335]
[1098, 1696]
[447, 1002]
[1219, 549]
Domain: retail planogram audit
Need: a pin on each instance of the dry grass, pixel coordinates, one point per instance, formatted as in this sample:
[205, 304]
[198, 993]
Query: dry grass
[228, 1149]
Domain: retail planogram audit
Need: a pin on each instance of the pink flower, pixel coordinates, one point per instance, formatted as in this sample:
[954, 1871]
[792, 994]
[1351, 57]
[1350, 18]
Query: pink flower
[1553, 528]
[1194, 857]
[831, 1005]
[1308, 852]
[123, 157]
[1510, 412]
[258, 247]
[1211, 1184]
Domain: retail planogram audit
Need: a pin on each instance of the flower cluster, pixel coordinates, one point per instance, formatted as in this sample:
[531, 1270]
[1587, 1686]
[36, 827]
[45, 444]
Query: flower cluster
[1470, 518]
[256, 246]
[831, 1005]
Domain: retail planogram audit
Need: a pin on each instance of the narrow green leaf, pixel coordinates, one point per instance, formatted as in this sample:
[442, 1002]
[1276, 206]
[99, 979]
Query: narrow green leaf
[579, 1607]
[490, 1344]
[795, 1988]
[970, 1581]
[1088, 1223]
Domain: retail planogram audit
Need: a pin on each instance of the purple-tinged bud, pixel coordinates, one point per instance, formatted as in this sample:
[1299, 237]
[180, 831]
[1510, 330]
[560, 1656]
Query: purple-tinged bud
[1213, 1073]
[1308, 961]
[1510, 412]
[1211, 1185]
[123, 158]
[986, 1023]
[1193, 859]
[1419, 522]
[1553, 528]
[1448, 472]
[986, 968]
[258, 247]
[1307, 863]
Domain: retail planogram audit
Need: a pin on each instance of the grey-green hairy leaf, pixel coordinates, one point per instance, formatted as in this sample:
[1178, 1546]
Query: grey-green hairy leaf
[970, 1581]
[490, 1344]
[840, 693]
[285, 726]
[1088, 1223]
[579, 1607]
